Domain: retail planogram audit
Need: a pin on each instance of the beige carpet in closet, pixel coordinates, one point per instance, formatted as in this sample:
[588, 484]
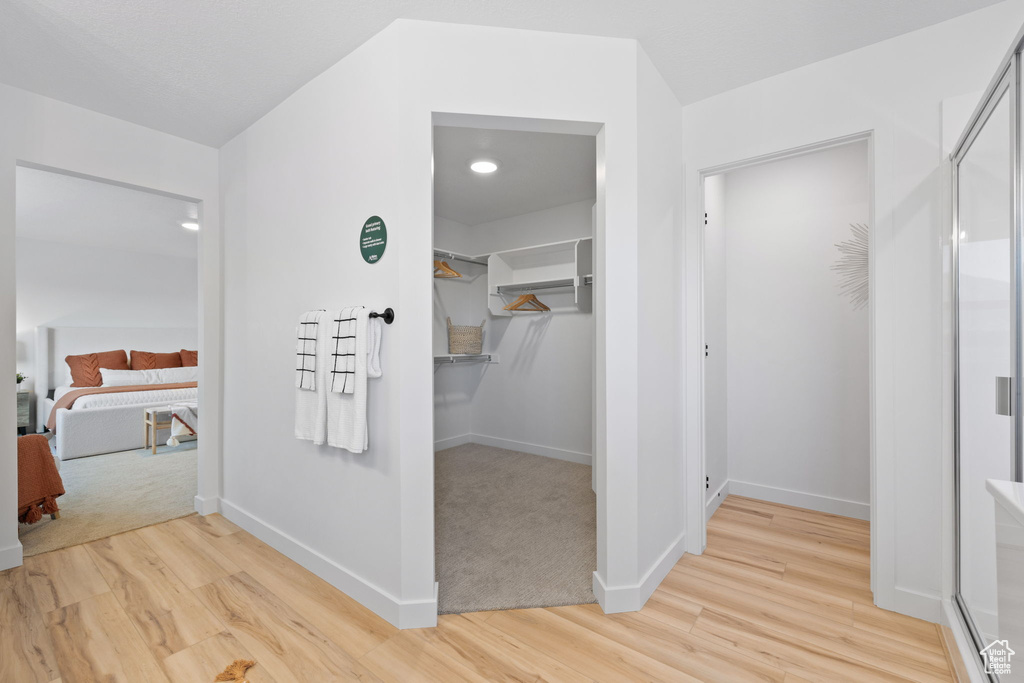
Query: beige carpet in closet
[513, 530]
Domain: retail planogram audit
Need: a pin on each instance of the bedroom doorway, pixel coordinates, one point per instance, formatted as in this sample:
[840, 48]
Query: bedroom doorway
[786, 348]
[107, 339]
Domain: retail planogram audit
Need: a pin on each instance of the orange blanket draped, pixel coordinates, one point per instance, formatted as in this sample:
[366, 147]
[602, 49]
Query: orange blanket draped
[68, 399]
[39, 482]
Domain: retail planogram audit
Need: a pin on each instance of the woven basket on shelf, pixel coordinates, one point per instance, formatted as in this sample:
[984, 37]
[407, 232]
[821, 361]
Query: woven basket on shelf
[465, 338]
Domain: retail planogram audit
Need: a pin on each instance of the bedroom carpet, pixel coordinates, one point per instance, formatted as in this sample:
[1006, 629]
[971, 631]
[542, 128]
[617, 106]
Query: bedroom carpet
[512, 530]
[116, 492]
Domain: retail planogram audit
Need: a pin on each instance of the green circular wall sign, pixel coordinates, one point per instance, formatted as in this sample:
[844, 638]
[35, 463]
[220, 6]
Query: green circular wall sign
[373, 239]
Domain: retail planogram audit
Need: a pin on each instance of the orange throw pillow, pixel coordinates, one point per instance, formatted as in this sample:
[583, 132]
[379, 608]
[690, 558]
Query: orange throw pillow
[144, 360]
[189, 359]
[85, 369]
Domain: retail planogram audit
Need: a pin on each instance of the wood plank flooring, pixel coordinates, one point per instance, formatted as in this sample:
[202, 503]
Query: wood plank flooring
[782, 594]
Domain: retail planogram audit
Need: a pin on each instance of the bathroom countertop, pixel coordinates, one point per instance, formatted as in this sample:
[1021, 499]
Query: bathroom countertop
[1010, 495]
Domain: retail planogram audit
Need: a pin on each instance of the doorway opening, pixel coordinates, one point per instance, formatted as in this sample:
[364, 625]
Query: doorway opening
[515, 210]
[786, 354]
[107, 296]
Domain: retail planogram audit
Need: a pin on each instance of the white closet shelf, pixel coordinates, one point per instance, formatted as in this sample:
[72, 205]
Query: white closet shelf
[466, 358]
[453, 256]
[546, 267]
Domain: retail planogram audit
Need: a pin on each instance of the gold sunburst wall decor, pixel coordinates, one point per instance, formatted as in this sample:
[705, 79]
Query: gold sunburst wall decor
[852, 266]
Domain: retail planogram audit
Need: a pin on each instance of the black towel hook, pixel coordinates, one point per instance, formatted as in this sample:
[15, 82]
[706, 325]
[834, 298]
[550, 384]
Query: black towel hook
[388, 315]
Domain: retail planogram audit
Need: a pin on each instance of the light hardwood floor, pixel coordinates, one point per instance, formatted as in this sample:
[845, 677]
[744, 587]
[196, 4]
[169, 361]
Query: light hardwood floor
[781, 594]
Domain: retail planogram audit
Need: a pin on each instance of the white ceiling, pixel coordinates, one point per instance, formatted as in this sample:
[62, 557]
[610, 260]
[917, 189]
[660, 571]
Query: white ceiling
[207, 70]
[535, 171]
[60, 208]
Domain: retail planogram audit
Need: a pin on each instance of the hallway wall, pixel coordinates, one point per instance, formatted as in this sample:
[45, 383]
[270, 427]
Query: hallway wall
[323, 161]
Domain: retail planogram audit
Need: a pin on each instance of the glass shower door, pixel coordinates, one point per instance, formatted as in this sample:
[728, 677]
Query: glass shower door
[986, 375]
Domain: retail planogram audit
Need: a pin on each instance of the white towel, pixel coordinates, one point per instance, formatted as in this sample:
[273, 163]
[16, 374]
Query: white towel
[343, 350]
[305, 350]
[311, 406]
[184, 421]
[374, 327]
[346, 413]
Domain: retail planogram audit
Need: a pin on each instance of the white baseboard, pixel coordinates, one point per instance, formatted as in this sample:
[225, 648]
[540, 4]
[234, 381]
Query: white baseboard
[11, 557]
[452, 442]
[811, 501]
[716, 499]
[616, 599]
[206, 506]
[916, 604]
[521, 446]
[407, 614]
[963, 643]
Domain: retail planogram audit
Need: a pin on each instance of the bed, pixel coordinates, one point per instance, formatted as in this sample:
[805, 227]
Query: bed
[109, 419]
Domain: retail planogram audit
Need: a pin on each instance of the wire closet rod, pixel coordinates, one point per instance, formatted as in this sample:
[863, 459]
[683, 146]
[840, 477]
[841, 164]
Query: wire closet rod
[450, 256]
[468, 358]
[578, 281]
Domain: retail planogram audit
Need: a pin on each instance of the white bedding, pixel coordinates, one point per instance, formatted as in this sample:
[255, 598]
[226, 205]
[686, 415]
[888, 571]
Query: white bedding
[59, 392]
[129, 398]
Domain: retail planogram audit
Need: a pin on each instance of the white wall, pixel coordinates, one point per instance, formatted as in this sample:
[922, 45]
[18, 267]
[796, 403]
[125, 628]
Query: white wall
[297, 186]
[557, 224]
[73, 285]
[797, 350]
[716, 311]
[658, 234]
[37, 130]
[539, 397]
[893, 89]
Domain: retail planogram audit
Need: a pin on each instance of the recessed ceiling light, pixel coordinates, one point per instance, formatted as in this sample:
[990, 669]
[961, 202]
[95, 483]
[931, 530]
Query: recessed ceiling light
[483, 166]
[190, 226]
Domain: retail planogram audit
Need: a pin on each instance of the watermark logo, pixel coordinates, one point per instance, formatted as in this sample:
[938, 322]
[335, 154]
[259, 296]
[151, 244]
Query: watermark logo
[997, 657]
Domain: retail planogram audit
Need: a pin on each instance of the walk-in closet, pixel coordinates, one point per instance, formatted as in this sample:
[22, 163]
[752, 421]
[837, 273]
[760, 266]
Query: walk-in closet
[514, 351]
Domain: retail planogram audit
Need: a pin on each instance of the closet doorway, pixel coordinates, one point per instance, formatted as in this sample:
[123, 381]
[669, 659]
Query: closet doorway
[785, 376]
[514, 365]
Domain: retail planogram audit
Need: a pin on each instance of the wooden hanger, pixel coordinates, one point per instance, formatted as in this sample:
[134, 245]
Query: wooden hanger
[443, 270]
[527, 302]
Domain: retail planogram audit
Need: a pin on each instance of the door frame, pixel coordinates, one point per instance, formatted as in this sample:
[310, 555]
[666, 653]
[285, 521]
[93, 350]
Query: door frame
[881, 536]
[599, 456]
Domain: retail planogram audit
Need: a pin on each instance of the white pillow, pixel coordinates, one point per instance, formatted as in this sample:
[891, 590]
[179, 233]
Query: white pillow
[177, 375]
[127, 378]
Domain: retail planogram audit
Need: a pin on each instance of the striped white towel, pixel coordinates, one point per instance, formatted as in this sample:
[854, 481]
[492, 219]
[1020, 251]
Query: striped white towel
[347, 424]
[305, 350]
[343, 351]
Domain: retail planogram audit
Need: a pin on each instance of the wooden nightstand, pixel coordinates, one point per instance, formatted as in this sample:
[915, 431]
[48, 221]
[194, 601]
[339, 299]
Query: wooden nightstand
[23, 401]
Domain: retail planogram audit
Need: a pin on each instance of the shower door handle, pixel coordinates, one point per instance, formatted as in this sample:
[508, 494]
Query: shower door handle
[1004, 396]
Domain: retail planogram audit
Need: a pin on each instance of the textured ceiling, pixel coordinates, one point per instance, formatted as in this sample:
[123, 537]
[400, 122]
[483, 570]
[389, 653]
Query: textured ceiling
[536, 171]
[53, 207]
[207, 70]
